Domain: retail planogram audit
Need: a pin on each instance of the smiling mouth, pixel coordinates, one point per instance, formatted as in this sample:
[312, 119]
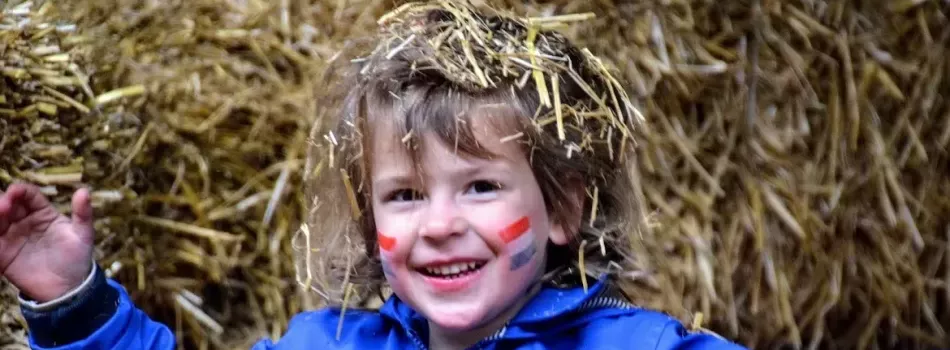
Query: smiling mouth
[454, 270]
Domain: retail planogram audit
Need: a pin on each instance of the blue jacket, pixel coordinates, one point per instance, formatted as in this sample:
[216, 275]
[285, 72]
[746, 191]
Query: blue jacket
[103, 317]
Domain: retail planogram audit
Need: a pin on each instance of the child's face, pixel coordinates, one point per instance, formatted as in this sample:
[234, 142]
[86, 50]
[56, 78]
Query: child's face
[464, 245]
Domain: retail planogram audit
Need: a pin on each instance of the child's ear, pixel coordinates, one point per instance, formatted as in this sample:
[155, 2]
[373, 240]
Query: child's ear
[569, 220]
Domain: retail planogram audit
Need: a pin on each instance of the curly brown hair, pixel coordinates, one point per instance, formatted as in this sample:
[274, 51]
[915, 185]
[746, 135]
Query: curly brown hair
[435, 67]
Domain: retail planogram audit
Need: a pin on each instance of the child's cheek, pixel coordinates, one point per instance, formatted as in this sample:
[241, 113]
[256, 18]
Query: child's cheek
[387, 245]
[519, 242]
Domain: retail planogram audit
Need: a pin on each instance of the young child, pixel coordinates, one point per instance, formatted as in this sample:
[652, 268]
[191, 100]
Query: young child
[478, 168]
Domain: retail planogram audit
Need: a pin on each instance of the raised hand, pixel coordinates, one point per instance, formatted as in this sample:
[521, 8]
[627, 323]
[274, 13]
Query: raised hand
[42, 252]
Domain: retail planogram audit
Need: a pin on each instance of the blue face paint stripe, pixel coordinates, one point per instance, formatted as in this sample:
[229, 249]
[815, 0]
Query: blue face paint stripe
[523, 257]
[386, 268]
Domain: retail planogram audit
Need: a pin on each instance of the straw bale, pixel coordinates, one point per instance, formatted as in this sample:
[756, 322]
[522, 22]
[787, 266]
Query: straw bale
[52, 131]
[12, 327]
[222, 93]
[794, 155]
[795, 158]
[231, 87]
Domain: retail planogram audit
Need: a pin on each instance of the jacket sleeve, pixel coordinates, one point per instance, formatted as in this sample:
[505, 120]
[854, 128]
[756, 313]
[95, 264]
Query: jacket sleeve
[98, 315]
[675, 336]
[317, 329]
[310, 329]
[672, 335]
[645, 329]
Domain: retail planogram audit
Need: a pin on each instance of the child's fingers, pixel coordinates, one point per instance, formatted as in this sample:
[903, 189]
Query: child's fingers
[14, 198]
[18, 212]
[8, 204]
[82, 208]
[30, 196]
[5, 209]
[82, 214]
[11, 210]
[25, 199]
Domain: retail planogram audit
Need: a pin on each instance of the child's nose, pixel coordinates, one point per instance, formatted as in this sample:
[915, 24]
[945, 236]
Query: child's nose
[442, 220]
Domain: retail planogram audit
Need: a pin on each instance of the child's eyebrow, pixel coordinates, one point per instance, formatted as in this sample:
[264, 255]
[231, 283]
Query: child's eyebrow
[473, 169]
[463, 171]
[466, 171]
[392, 180]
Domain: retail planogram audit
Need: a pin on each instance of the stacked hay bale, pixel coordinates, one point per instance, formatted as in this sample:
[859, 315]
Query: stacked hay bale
[796, 155]
[55, 130]
[220, 96]
[797, 164]
[12, 329]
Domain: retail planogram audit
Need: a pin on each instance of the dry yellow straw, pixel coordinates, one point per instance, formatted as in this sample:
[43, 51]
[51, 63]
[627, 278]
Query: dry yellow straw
[346, 302]
[350, 194]
[580, 263]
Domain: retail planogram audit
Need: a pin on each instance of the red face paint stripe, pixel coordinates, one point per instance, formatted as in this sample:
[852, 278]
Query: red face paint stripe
[515, 230]
[386, 242]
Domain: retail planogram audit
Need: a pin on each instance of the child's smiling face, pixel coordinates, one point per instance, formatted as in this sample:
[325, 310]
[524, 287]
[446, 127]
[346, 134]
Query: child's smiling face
[462, 242]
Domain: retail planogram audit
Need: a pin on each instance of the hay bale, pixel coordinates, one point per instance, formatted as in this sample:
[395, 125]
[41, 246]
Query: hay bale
[55, 130]
[12, 325]
[796, 158]
[227, 102]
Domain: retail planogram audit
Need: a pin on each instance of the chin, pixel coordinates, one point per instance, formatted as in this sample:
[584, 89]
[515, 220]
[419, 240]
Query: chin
[463, 320]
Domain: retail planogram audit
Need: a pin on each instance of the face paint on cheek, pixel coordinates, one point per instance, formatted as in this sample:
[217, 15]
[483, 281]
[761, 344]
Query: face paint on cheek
[386, 246]
[520, 242]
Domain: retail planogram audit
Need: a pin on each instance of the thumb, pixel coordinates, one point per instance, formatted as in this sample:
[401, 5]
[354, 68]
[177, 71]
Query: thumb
[82, 215]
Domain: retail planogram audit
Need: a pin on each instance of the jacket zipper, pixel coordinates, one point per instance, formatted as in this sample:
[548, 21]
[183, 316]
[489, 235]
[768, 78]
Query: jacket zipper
[484, 342]
[606, 302]
[415, 339]
[595, 303]
[481, 344]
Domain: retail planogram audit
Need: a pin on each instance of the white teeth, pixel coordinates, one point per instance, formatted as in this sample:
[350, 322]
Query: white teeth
[453, 269]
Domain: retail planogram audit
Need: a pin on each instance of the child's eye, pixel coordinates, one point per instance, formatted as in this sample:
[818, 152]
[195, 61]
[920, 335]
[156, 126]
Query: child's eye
[482, 187]
[404, 195]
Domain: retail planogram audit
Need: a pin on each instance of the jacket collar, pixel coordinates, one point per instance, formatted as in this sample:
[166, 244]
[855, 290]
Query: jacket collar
[548, 304]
